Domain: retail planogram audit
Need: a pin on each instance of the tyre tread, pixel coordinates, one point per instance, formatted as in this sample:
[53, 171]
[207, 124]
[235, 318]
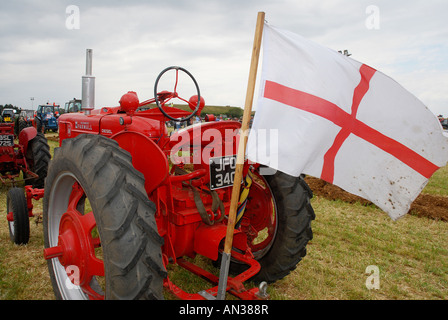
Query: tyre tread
[124, 215]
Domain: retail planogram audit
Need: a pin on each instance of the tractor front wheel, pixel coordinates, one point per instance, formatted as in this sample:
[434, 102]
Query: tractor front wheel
[100, 232]
[18, 218]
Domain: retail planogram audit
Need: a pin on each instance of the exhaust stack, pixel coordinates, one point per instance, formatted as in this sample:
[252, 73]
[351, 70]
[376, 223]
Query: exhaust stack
[88, 86]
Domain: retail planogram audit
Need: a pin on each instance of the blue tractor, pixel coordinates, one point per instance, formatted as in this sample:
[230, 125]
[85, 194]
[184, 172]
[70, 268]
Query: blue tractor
[47, 118]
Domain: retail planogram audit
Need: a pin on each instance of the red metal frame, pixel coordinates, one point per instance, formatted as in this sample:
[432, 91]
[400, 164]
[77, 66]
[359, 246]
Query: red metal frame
[235, 285]
[12, 158]
[30, 195]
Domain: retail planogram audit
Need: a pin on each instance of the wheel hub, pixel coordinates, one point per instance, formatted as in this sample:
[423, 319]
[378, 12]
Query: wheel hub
[76, 248]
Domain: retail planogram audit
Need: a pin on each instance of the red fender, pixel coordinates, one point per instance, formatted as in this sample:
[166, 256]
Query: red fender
[194, 133]
[213, 138]
[146, 157]
[25, 136]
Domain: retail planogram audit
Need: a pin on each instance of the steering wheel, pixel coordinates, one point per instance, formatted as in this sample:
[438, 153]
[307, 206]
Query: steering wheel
[166, 96]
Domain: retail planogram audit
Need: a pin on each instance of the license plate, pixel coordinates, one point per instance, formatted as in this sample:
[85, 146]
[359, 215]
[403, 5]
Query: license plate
[6, 141]
[222, 171]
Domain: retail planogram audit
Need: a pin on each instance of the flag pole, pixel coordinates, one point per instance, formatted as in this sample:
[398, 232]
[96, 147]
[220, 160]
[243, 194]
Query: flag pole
[225, 262]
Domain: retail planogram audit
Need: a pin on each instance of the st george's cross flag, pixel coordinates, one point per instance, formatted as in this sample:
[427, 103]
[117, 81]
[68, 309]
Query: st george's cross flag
[323, 114]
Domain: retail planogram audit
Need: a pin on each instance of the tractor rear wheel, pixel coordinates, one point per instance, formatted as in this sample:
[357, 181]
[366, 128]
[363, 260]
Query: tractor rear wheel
[18, 218]
[19, 125]
[277, 222]
[38, 157]
[100, 232]
[40, 127]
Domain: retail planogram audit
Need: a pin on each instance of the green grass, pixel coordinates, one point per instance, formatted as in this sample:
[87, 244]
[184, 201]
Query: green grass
[437, 185]
[411, 254]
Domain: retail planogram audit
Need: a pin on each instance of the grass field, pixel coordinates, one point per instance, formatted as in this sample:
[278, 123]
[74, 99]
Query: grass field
[411, 255]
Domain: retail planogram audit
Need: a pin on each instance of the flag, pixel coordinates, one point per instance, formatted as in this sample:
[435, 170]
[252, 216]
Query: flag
[326, 115]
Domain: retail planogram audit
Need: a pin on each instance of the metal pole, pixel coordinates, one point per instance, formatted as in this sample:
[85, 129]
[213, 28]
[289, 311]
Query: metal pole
[225, 262]
[89, 62]
[88, 86]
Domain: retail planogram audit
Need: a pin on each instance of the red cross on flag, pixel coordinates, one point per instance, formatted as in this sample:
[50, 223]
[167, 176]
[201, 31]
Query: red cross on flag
[326, 115]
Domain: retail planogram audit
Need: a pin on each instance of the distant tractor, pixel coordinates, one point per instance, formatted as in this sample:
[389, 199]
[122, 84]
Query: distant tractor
[29, 157]
[73, 106]
[9, 115]
[444, 123]
[47, 118]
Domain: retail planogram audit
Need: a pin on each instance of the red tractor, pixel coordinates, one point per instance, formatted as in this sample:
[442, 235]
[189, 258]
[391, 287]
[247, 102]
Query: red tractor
[29, 157]
[124, 199]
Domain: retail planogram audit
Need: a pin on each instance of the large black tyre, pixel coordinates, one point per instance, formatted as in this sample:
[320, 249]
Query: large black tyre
[19, 229]
[294, 214]
[19, 125]
[40, 125]
[38, 158]
[124, 216]
[22, 124]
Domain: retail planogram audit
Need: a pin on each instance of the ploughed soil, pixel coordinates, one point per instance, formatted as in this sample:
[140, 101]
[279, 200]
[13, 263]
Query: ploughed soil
[429, 206]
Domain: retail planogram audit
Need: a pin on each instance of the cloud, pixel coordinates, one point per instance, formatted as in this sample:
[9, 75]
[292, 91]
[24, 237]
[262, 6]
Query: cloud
[133, 41]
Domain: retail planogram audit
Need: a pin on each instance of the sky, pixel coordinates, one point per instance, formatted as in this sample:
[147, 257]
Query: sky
[43, 45]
